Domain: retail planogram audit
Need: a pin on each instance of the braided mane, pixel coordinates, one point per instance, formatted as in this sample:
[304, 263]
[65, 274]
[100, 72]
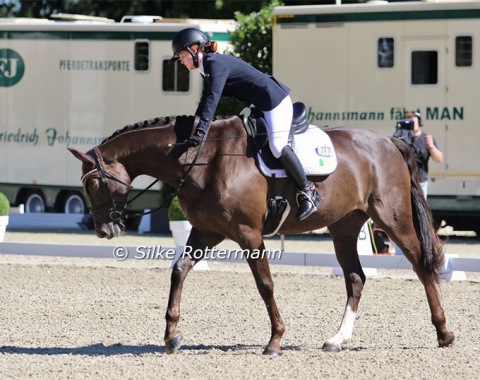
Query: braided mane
[150, 123]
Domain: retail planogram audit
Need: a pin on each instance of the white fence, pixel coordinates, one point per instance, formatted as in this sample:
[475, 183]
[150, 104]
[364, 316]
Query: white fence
[44, 221]
[454, 268]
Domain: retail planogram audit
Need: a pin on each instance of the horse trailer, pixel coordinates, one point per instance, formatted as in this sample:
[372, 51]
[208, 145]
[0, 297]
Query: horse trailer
[71, 82]
[365, 65]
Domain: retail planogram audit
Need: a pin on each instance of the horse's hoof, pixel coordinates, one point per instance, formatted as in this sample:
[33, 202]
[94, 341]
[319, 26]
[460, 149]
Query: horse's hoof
[447, 342]
[271, 352]
[328, 347]
[172, 345]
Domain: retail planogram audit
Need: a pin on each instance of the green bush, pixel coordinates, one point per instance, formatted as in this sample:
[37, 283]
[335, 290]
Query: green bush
[165, 192]
[252, 39]
[4, 205]
[175, 211]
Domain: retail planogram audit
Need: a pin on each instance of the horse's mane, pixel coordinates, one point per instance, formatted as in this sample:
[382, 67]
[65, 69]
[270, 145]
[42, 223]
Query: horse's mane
[150, 123]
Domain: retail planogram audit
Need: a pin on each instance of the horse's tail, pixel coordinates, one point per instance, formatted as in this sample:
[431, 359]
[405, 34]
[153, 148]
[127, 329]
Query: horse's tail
[432, 256]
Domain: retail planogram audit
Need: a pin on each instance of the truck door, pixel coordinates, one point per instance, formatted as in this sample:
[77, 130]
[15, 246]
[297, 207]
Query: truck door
[426, 89]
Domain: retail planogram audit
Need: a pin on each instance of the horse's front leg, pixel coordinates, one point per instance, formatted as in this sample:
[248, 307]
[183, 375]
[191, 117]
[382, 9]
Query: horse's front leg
[346, 251]
[263, 278]
[173, 337]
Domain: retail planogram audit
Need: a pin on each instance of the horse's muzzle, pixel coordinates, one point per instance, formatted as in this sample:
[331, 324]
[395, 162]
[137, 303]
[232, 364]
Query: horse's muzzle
[110, 230]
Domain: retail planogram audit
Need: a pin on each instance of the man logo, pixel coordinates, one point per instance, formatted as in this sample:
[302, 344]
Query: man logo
[12, 67]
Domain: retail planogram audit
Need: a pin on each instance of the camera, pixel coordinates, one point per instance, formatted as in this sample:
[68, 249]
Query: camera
[406, 124]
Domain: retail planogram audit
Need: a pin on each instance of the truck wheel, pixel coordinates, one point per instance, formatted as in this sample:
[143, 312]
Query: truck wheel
[34, 202]
[73, 203]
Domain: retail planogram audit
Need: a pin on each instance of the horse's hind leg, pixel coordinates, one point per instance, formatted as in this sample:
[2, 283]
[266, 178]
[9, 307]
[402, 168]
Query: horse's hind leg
[427, 265]
[444, 337]
[409, 244]
[173, 337]
[345, 237]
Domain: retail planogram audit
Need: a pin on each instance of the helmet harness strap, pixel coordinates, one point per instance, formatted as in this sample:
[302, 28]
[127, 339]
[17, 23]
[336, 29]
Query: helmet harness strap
[194, 56]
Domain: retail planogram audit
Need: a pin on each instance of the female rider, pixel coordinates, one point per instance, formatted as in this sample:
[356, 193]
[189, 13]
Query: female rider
[229, 76]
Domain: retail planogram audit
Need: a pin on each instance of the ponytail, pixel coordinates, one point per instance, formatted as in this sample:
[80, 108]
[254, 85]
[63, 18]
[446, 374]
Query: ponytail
[210, 47]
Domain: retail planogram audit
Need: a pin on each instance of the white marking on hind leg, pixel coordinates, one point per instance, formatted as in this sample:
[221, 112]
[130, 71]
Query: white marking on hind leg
[345, 331]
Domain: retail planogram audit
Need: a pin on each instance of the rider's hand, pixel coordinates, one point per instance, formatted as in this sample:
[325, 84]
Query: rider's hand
[195, 139]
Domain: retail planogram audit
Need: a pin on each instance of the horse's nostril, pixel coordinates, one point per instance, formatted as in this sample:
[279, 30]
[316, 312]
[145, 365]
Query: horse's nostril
[101, 234]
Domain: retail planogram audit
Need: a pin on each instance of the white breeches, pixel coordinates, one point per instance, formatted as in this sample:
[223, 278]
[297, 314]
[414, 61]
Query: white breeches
[279, 121]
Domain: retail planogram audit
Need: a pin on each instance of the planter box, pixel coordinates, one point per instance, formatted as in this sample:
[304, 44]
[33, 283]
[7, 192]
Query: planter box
[180, 231]
[3, 226]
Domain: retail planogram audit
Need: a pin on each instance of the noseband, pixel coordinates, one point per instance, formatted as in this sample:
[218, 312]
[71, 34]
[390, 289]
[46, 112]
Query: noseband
[116, 209]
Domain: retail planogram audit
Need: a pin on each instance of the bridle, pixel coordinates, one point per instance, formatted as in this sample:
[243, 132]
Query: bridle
[116, 209]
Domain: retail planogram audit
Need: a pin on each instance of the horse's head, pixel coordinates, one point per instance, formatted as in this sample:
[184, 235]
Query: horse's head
[106, 185]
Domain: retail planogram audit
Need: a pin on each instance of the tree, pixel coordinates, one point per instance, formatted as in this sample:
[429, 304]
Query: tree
[252, 40]
[115, 9]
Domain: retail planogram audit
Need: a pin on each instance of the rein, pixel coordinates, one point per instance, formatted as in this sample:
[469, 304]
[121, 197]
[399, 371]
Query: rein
[117, 210]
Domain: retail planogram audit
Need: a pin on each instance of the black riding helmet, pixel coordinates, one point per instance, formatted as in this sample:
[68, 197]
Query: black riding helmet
[186, 38]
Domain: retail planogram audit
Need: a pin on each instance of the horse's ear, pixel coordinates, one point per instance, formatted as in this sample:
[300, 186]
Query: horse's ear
[86, 158]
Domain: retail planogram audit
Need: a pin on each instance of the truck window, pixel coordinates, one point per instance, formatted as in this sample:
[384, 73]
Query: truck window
[175, 77]
[385, 52]
[142, 55]
[463, 51]
[424, 67]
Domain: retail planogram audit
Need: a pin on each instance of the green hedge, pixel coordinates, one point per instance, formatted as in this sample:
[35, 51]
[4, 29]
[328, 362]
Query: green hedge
[175, 211]
[4, 205]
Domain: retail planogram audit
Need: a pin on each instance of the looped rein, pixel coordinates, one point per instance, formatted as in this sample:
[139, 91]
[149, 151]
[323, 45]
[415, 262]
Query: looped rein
[117, 210]
[180, 184]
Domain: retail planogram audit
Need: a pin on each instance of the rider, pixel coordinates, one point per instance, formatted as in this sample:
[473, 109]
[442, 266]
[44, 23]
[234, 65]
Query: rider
[229, 76]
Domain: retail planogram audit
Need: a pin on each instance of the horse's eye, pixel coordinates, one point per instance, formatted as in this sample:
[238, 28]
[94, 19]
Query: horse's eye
[92, 185]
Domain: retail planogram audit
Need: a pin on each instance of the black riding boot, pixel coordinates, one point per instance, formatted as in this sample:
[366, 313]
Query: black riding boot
[307, 197]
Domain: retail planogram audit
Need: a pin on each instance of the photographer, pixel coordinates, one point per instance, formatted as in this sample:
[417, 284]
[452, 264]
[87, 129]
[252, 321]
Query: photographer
[423, 145]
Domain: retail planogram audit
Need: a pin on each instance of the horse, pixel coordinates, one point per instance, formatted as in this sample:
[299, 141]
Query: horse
[223, 195]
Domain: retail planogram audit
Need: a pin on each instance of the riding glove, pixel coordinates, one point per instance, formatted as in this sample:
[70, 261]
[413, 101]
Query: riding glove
[195, 139]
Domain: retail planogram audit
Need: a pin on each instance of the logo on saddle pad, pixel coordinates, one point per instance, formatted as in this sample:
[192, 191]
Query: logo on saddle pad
[324, 151]
[314, 150]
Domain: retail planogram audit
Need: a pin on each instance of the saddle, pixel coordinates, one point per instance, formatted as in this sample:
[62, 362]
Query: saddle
[312, 146]
[310, 143]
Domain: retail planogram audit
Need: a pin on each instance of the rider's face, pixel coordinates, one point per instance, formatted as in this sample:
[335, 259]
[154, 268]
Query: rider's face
[186, 59]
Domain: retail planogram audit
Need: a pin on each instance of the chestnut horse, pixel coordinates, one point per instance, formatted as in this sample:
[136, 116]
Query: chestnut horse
[224, 196]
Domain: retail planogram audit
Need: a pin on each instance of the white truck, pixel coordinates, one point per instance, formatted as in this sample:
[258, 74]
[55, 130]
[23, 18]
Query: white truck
[364, 65]
[72, 82]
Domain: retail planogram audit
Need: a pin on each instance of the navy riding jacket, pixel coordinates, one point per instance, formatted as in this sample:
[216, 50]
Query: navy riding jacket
[225, 75]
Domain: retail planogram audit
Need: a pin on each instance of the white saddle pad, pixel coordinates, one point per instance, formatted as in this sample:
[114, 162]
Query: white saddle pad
[314, 150]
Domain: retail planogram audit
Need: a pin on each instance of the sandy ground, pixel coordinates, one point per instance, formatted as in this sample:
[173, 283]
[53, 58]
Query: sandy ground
[77, 318]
